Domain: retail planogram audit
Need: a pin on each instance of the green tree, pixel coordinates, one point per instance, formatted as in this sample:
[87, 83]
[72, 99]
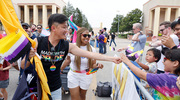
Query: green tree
[114, 25]
[132, 17]
[78, 18]
[125, 23]
[68, 10]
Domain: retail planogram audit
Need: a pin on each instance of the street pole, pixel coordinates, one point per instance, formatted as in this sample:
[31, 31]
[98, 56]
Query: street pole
[118, 21]
[118, 24]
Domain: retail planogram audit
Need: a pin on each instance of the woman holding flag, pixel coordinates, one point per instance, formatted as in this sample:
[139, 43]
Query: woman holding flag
[78, 80]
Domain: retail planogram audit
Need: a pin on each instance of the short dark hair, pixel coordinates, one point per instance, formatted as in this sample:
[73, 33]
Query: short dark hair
[58, 18]
[177, 21]
[166, 24]
[157, 53]
[174, 55]
[39, 25]
[105, 28]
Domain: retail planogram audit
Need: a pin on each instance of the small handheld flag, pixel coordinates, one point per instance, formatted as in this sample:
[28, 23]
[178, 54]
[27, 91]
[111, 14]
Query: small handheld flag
[92, 71]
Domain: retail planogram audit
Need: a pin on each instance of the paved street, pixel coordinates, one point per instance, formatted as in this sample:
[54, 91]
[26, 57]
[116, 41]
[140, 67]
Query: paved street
[101, 75]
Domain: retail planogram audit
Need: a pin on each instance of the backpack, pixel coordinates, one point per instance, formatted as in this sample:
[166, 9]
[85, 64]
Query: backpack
[105, 39]
[103, 89]
[29, 87]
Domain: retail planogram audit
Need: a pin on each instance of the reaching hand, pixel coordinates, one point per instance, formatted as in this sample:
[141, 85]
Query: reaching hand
[119, 50]
[167, 41]
[99, 65]
[124, 58]
[117, 60]
[137, 60]
[178, 82]
[32, 53]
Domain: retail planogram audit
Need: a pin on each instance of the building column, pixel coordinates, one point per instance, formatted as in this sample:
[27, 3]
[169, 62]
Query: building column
[177, 13]
[35, 14]
[26, 14]
[156, 21]
[150, 19]
[53, 9]
[44, 16]
[168, 14]
[59, 10]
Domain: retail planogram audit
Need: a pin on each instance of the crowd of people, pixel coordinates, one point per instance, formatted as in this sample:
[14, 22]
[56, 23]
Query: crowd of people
[58, 51]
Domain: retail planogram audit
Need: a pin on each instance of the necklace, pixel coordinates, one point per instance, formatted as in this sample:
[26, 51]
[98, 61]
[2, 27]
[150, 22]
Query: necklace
[53, 61]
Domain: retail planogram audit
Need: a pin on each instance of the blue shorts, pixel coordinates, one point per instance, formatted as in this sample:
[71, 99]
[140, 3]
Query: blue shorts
[56, 95]
[4, 83]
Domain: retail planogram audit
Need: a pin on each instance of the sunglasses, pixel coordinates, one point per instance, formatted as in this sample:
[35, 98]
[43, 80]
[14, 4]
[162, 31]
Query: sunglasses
[25, 27]
[162, 30]
[39, 28]
[133, 29]
[168, 59]
[85, 35]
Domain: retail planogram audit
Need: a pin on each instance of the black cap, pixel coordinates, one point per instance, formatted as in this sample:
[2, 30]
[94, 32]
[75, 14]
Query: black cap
[176, 21]
[25, 24]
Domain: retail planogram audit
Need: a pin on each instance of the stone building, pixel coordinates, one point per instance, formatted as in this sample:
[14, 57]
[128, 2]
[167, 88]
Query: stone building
[157, 11]
[37, 11]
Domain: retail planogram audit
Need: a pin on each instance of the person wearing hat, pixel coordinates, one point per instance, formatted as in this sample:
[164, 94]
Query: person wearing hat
[27, 28]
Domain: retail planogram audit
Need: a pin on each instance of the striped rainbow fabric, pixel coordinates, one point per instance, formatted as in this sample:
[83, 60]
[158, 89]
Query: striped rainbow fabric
[111, 48]
[45, 32]
[15, 47]
[136, 54]
[130, 49]
[16, 43]
[73, 26]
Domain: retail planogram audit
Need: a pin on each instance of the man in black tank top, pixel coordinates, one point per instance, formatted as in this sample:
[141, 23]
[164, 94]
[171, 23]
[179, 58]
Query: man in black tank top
[53, 50]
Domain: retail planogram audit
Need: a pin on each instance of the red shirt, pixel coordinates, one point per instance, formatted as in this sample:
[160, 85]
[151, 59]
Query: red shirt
[1, 36]
[4, 75]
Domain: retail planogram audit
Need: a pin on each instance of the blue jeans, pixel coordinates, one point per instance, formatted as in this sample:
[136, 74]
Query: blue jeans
[104, 48]
[112, 40]
[97, 43]
[101, 46]
[92, 43]
[56, 95]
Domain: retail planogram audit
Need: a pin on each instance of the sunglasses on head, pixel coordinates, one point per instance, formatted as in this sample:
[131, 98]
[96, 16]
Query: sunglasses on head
[85, 35]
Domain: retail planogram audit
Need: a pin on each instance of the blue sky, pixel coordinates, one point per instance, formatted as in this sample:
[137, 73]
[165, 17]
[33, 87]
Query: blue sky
[104, 11]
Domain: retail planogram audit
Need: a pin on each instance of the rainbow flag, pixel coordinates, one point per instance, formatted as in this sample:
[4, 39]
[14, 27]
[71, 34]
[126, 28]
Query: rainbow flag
[45, 32]
[73, 26]
[47, 28]
[92, 71]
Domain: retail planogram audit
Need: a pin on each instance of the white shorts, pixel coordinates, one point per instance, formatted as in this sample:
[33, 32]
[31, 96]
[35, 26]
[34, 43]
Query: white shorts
[79, 79]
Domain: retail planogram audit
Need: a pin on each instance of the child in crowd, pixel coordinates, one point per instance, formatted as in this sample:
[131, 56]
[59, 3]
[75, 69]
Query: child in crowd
[153, 55]
[165, 83]
[4, 78]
